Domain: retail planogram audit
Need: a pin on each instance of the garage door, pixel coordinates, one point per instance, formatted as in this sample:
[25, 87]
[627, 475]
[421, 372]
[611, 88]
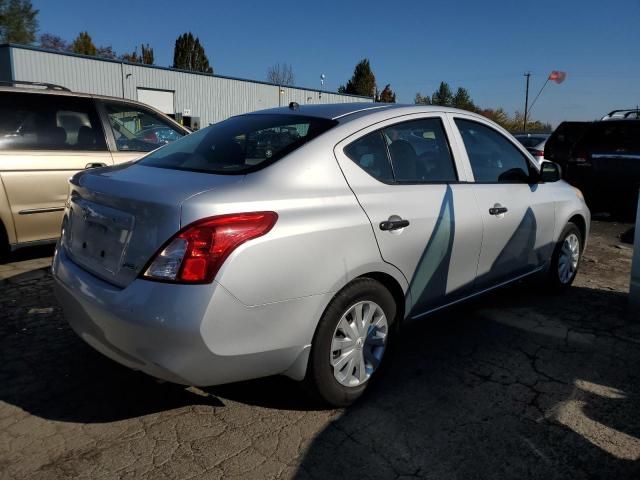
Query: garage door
[160, 99]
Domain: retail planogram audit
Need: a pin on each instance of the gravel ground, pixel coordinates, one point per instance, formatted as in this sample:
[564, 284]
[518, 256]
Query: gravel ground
[514, 385]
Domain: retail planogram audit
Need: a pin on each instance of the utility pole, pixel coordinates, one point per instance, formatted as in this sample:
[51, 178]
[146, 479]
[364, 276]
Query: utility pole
[526, 103]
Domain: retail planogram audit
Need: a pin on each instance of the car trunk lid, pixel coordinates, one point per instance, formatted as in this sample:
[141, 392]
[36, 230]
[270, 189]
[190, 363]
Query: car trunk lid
[118, 218]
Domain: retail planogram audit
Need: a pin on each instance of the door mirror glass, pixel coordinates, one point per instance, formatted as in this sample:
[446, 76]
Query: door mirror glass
[550, 172]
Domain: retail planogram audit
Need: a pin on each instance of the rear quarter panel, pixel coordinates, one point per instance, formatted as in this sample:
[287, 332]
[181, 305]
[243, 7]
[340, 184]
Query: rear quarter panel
[321, 241]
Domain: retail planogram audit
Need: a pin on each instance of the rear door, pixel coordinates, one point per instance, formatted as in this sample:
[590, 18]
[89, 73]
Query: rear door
[518, 214]
[424, 219]
[133, 131]
[45, 140]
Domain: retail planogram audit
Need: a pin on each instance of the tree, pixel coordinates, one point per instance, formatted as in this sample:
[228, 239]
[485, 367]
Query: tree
[53, 42]
[462, 100]
[147, 54]
[442, 96]
[189, 54]
[18, 23]
[422, 100]
[363, 81]
[146, 57]
[84, 45]
[387, 95]
[280, 74]
[105, 52]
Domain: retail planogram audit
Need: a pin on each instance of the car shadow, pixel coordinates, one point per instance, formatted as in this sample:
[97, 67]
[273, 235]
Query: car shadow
[28, 253]
[440, 362]
[515, 385]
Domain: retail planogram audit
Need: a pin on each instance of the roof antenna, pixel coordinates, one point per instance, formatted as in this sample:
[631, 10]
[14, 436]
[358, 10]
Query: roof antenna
[294, 105]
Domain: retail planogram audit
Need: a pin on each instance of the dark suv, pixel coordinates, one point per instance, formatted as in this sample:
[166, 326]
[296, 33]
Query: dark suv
[605, 164]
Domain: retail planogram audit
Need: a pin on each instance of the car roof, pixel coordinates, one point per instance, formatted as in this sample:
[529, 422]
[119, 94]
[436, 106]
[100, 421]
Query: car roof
[69, 93]
[350, 111]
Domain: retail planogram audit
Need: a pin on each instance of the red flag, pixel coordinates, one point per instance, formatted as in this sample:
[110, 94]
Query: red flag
[557, 76]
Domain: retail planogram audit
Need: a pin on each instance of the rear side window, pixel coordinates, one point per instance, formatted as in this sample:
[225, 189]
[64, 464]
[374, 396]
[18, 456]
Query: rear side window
[139, 130]
[612, 136]
[370, 153]
[561, 142]
[493, 158]
[30, 121]
[240, 144]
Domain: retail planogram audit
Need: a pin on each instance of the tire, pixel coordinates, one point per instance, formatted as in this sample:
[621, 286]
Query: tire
[4, 243]
[558, 280]
[367, 346]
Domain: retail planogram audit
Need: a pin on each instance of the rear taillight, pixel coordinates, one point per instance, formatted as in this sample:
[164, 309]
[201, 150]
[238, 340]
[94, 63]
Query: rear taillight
[580, 158]
[196, 253]
[537, 153]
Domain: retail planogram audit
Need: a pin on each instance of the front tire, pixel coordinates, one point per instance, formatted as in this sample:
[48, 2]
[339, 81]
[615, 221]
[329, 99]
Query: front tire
[350, 342]
[566, 259]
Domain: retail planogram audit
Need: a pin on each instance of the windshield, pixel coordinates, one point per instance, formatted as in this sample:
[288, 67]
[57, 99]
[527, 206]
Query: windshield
[240, 144]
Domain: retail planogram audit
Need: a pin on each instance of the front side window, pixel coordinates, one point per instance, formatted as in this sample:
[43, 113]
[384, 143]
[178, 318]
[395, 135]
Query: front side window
[493, 158]
[240, 144]
[139, 130]
[30, 121]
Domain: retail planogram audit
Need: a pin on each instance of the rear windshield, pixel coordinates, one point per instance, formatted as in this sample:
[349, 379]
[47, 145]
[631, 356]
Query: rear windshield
[530, 141]
[240, 144]
[568, 133]
[612, 136]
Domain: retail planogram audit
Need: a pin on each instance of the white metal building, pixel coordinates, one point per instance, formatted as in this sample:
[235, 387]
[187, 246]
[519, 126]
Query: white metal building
[192, 95]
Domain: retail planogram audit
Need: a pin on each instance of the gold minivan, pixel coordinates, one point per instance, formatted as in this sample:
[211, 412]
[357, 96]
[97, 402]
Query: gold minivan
[48, 133]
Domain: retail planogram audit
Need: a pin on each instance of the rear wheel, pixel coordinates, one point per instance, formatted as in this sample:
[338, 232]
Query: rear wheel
[4, 243]
[351, 341]
[566, 259]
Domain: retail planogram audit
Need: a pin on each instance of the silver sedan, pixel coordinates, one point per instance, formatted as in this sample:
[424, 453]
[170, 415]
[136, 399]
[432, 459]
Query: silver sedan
[296, 240]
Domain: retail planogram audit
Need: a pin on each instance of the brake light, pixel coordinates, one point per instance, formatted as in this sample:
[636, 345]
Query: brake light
[537, 153]
[196, 253]
[580, 157]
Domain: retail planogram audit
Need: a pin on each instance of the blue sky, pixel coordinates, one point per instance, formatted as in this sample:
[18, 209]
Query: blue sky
[484, 46]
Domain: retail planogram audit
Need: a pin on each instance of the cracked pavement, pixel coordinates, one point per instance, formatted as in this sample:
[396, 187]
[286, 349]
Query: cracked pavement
[514, 385]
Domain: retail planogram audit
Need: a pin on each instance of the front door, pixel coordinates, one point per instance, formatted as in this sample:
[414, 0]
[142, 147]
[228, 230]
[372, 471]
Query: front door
[424, 220]
[516, 211]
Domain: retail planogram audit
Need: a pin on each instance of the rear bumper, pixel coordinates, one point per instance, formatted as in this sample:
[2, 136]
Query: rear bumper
[188, 334]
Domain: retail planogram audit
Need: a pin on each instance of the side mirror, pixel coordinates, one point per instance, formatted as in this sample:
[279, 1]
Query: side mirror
[550, 172]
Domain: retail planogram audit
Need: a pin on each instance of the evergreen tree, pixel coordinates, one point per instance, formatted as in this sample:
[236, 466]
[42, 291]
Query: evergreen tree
[442, 96]
[189, 54]
[363, 81]
[462, 100]
[147, 54]
[18, 23]
[84, 45]
[387, 95]
[422, 100]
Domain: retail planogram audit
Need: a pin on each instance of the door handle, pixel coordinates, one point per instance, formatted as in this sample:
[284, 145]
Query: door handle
[95, 165]
[393, 224]
[498, 209]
